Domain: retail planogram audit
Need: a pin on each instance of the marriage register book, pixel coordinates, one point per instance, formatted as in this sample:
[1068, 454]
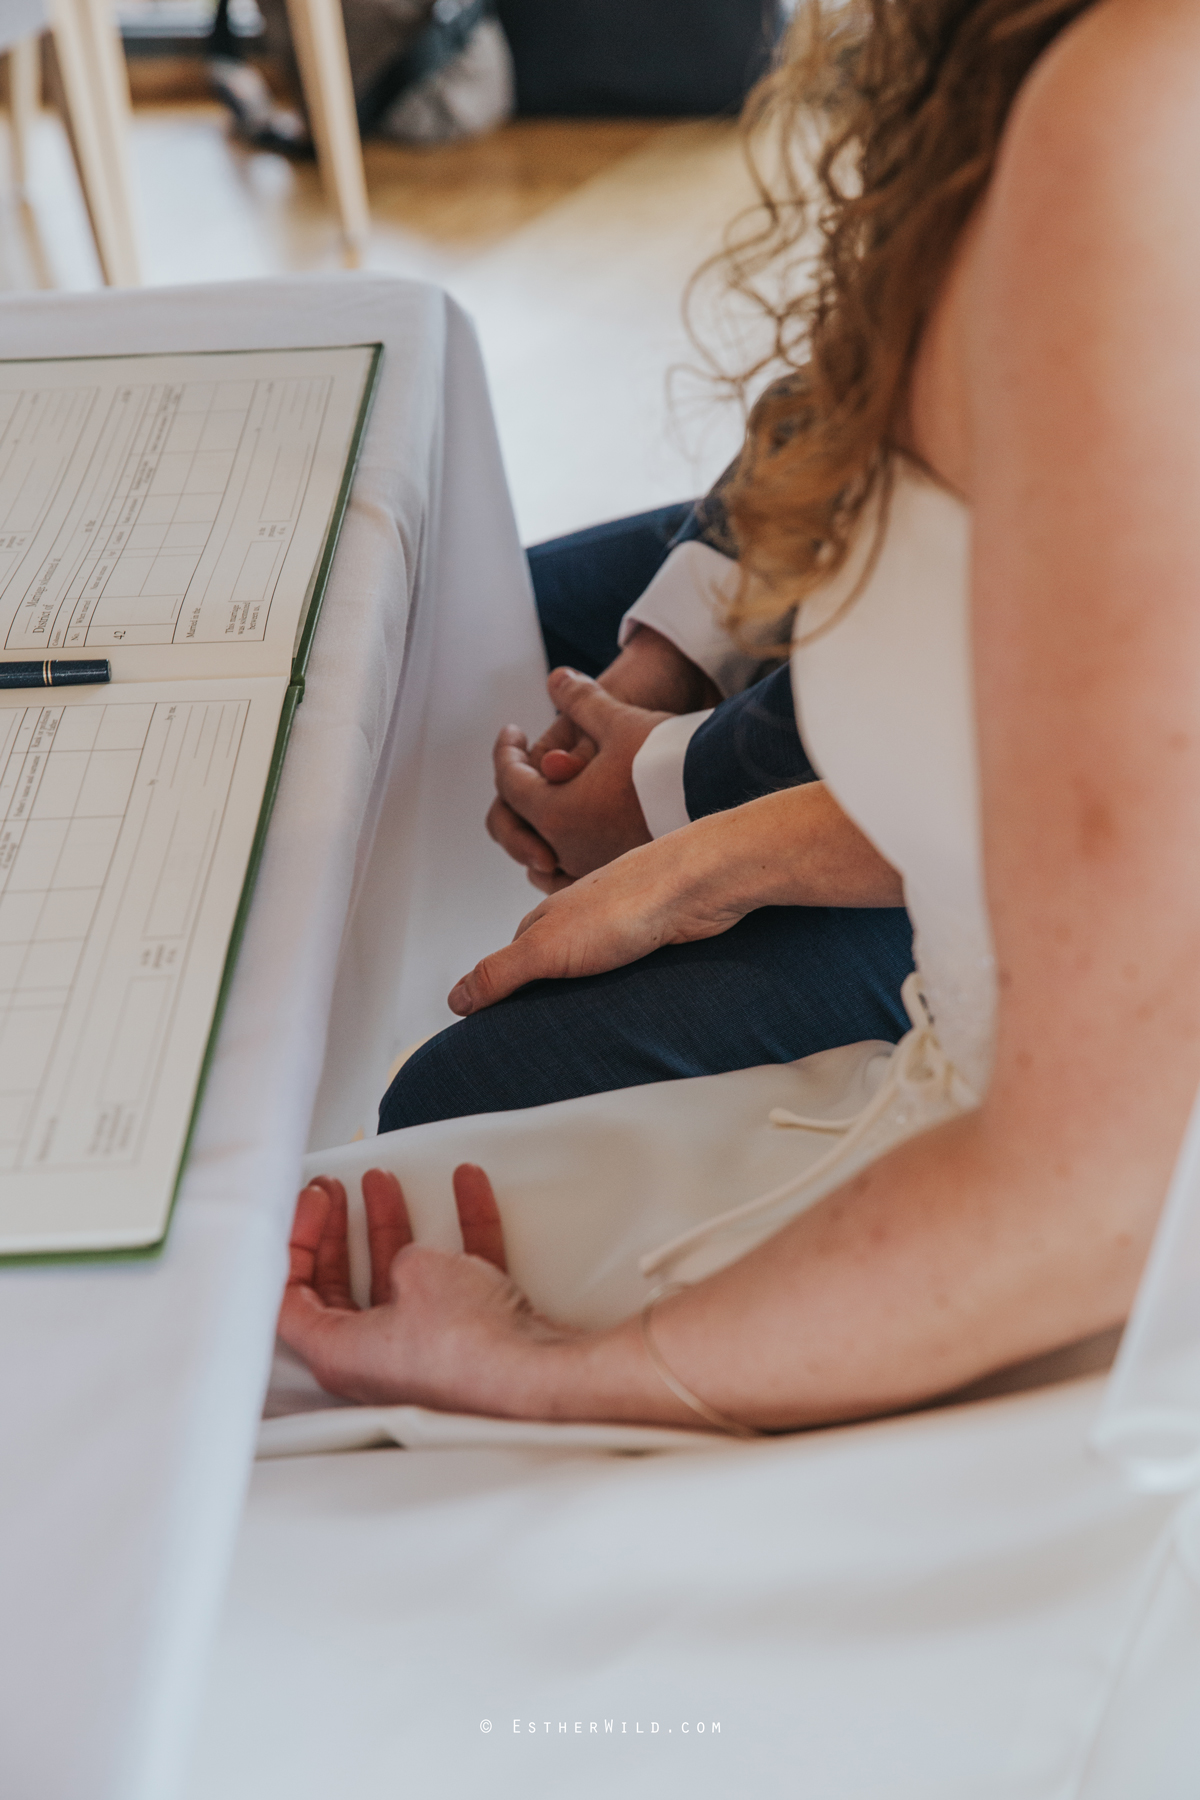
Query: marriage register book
[177, 515]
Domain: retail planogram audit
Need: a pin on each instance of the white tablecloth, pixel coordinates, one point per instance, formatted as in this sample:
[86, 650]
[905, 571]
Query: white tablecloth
[129, 1394]
[940, 1607]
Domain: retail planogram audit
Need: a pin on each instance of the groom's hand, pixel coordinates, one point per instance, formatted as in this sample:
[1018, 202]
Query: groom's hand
[586, 820]
[602, 818]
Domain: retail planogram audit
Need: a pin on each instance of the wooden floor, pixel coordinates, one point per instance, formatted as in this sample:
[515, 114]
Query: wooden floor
[569, 241]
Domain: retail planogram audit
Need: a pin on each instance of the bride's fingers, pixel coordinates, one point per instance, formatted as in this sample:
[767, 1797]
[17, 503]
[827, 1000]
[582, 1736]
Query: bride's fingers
[389, 1228]
[331, 1277]
[478, 1215]
[312, 1207]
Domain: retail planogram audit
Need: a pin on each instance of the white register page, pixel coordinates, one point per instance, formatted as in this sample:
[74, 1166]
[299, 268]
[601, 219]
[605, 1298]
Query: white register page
[127, 817]
[171, 504]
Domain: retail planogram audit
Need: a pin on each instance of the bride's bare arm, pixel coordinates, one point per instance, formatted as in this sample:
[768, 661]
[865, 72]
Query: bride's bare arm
[1059, 389]
[793, 848]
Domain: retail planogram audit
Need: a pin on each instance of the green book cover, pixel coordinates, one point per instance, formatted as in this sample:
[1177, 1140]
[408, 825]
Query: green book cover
[246, 706]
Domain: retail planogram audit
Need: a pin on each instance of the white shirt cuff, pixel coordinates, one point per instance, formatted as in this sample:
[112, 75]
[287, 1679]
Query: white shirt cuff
[686, 602]
[658, 773]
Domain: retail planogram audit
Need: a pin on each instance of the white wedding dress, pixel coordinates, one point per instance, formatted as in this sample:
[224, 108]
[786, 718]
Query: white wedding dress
[959, 1605]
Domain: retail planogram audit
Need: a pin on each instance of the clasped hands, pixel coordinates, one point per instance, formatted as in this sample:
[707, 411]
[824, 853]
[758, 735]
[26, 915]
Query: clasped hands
[566, 804]
[566, 808]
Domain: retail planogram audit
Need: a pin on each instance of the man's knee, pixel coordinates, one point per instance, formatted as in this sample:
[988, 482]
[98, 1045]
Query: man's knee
[422, 1087]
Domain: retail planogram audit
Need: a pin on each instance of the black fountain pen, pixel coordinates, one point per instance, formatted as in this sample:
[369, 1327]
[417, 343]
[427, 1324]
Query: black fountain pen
[55, 674]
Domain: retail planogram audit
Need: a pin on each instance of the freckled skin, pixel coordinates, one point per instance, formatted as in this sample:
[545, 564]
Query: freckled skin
[1096, 828]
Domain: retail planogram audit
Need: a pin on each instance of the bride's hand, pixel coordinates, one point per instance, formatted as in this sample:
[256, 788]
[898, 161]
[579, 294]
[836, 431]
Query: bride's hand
[442, 1329]
[792, 848]
[666, 892]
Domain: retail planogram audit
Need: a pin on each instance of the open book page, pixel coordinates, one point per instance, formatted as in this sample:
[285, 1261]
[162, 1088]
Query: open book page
[171, 512]
[127, 817]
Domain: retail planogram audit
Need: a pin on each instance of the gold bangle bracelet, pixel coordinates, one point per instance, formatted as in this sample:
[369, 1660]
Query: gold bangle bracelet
[710, 1413]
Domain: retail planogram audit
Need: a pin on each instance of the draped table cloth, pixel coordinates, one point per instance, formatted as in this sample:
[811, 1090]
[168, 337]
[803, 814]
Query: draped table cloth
[130, 1392]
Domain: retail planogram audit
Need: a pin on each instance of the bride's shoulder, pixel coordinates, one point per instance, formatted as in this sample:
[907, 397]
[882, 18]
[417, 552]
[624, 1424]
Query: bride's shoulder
[1090, 224]
[1116, 98]
[1088, 234]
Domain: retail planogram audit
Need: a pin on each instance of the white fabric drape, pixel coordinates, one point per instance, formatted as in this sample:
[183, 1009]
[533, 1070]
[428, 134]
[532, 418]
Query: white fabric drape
[130, 1393]
[1150, 1420]
[930, 1608]
[1149, 1425]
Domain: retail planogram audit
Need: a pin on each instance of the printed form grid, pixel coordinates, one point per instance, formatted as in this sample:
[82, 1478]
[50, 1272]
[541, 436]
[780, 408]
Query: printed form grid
[109, 820]
[153, 515]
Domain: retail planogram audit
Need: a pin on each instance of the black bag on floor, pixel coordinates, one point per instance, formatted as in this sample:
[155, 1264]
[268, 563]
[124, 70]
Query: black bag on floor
[424, 71]
[653, 58]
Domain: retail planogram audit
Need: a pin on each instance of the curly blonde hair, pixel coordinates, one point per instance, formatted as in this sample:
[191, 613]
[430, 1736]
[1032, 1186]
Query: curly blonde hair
[916, 94]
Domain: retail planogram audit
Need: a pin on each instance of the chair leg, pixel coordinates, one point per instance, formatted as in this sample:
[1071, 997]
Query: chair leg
[96, 101]
[24, 96]
[319, 38]
[112, 75]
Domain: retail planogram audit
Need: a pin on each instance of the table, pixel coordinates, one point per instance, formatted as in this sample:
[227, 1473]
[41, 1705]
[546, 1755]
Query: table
[130, 1392]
